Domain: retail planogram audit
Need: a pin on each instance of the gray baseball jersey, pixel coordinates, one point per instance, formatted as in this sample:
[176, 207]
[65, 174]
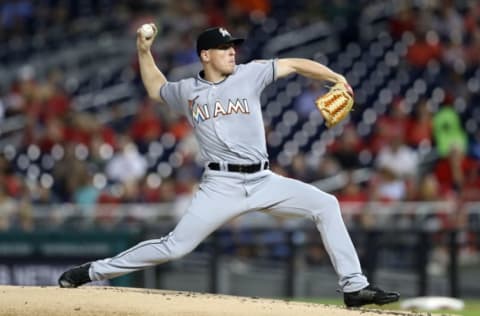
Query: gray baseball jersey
[227, 115]
[228, 124]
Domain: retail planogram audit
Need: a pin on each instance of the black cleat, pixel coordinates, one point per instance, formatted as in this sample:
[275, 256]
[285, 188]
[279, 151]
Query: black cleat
[370, 295]
[75, 276]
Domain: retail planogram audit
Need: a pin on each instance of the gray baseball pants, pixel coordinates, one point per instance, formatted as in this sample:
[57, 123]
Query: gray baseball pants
[223, 196]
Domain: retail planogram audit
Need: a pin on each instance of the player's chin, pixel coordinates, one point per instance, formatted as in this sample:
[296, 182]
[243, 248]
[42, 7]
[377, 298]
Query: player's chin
[229, 70]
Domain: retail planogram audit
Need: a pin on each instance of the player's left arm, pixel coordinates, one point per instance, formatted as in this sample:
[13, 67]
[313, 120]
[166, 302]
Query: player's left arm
[307, 68]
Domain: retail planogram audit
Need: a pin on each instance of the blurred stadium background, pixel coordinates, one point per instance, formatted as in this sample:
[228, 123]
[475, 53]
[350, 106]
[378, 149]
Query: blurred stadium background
[89, 166]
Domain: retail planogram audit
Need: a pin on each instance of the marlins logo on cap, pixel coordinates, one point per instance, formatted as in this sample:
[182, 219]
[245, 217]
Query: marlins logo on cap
[224, 32]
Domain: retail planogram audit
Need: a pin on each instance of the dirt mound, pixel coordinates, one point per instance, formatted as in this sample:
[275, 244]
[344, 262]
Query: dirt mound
[92, 300]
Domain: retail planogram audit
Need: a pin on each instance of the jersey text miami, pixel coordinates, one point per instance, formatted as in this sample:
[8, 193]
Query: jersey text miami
[201, 112]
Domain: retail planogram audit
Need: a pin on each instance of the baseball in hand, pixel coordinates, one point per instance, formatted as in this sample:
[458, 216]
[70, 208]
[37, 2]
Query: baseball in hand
[147, 30]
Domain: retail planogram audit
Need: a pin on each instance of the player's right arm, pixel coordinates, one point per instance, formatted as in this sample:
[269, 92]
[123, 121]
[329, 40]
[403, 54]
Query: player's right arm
[153, 79]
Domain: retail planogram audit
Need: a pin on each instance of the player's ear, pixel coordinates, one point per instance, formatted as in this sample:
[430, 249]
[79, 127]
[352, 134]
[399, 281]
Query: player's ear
[204, 55]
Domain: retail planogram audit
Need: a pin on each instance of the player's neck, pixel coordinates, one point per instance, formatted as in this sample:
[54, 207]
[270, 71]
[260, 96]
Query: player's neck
[213, 76]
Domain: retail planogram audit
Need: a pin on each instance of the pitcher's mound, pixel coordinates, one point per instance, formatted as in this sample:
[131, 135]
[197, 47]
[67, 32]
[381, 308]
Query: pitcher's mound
[91, 300]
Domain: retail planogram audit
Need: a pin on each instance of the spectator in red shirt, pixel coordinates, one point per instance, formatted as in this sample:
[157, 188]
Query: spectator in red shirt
[250, 6]
[472, 50]
[353, 199]
[215, 13]
[454, 170]
[346, 149]
[10, 182]
[472, 15]
[77, 128]
[403, 21]
[352, 191]
[420, 129]
[392, 125]
[146, 126]
[54, 133]
[57, 102]
[425, 48]
[180, 128]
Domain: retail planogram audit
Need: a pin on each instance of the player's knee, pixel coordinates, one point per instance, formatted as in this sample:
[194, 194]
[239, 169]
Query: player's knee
[333, 206]
[332, 202]
[179, 251]
[327, 201]
[328, 206]
[177, 254]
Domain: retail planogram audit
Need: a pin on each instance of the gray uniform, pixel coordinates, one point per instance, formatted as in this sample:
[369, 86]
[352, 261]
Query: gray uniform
[228, 125]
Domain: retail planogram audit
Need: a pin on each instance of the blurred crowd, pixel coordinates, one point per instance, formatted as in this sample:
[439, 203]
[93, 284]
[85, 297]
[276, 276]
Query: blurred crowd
[416, 152]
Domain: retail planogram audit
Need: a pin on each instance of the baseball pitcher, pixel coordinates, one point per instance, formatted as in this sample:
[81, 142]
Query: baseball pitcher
[222, 103]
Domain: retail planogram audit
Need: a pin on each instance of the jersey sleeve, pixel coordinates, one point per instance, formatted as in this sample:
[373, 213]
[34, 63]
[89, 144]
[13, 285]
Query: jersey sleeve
[264, 72]
[171, 94]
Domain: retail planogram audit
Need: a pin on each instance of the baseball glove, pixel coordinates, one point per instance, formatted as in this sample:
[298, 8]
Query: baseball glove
[336, 103]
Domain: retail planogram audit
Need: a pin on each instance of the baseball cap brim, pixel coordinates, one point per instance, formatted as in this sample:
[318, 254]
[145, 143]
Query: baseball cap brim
[236, 41]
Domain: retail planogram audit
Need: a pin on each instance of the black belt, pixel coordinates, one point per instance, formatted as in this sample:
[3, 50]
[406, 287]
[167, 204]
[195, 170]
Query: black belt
[240, 168]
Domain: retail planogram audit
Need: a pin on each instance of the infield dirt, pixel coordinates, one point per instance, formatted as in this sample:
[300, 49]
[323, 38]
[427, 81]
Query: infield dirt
[105, 301]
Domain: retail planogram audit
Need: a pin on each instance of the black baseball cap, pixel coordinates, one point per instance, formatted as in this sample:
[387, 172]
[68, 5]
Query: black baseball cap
[214, 37]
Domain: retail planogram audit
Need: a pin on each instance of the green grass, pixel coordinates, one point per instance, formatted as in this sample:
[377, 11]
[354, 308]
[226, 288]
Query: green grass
[472, 307]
